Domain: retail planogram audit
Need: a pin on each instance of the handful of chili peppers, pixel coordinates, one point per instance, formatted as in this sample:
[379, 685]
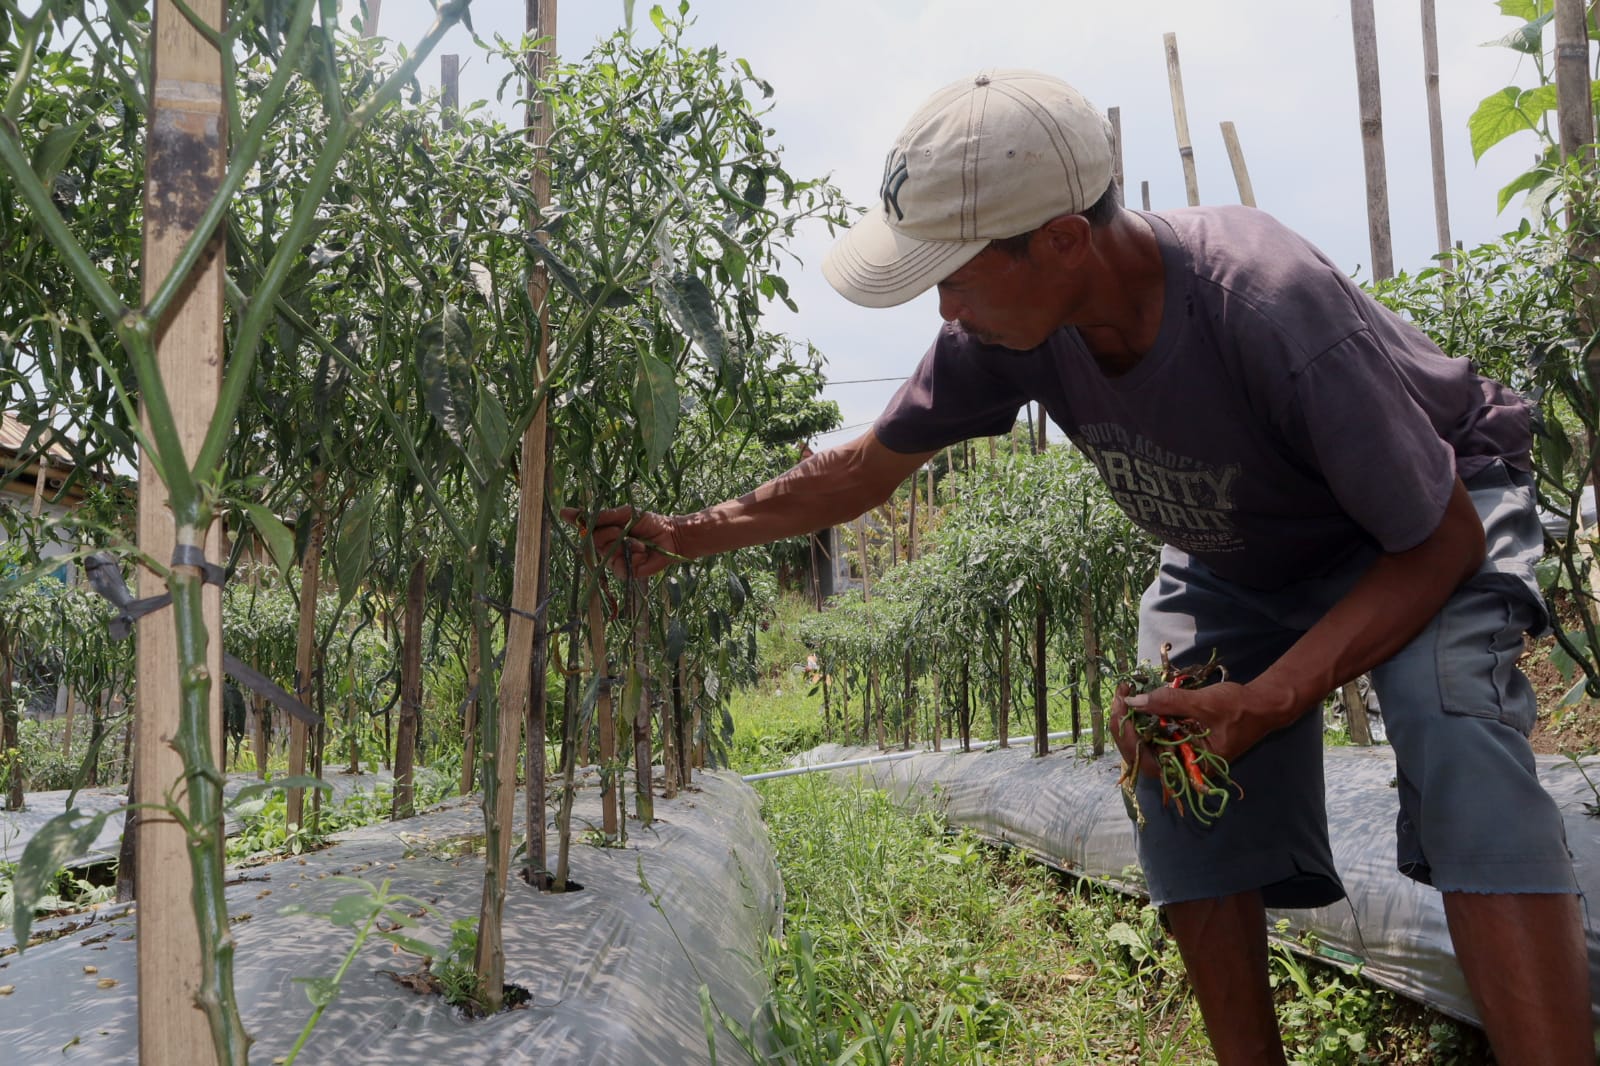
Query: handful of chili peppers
[1194, 779]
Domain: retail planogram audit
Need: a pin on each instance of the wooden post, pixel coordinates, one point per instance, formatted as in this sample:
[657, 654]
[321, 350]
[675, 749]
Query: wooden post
[185, 159]
[1041, 688]
[306, 643]
[644, 788]
[1365, 29]
[1430, 81]
[911, 522]
[1091, 676]
[1355, 711]
[602, 708]
[469, 716]
[1114, 116]
[861, 546]
[1144, 194]
[1241, 174]
[1003, 726]
[1180, 120]
[405, 745]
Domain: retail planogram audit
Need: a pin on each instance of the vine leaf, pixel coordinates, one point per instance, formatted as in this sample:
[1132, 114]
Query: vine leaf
[655, 407]
[693, 310]
[1509, 111]
[444, 353]
[58, 841]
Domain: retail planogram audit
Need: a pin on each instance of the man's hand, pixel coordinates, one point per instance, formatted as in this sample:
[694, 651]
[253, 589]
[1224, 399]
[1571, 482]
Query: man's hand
[1236, 717]
[633, 543]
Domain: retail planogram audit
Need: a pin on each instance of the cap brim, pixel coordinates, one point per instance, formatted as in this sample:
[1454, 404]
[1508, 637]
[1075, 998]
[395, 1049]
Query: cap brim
[877, 266]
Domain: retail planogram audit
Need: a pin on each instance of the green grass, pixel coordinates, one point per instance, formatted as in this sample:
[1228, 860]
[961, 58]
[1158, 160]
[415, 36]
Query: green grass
[905, 943]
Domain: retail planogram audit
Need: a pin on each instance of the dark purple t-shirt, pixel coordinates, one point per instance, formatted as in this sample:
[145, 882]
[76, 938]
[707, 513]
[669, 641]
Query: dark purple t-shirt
[1281, 419]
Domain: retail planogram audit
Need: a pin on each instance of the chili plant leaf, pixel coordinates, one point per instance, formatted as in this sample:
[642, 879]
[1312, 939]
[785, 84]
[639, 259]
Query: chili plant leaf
[279, 541]
[493, 430]
[558, 269]
[692, 309]
[352, 909]
[52, 152]
[262, 788]
[352, 548]
[655, 407]
[59, 840]
[444, 353]
[319, 990]
[677, 639]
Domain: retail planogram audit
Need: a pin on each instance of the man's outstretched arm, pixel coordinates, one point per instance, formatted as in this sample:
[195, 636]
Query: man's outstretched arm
[825, 490]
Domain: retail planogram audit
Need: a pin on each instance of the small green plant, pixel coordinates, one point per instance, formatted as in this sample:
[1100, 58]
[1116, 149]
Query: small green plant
[359, 910]
[458, 981]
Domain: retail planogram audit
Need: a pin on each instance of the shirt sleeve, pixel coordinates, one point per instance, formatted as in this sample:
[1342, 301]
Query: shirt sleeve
[1355, 421]
[959, 390]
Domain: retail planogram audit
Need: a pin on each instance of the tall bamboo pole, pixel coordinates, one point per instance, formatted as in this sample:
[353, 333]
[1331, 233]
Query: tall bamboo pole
[185, 159]
[1365, 30]
[1180, 120]
[305, 643]
[604, 713]
[516, 676]
[644, 787]
[1430, 83]
[1144, 194]
[1241, 173]
[403, 804]
[1114, 116]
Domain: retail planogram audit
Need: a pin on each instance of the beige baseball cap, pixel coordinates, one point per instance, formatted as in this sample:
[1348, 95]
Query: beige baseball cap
[986, 157]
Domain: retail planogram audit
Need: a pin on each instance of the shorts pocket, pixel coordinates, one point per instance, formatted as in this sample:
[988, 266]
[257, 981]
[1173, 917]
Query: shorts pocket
[1479, 643]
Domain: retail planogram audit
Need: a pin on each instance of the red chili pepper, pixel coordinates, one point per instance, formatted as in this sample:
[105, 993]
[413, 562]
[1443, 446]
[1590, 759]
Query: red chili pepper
[1192, 765]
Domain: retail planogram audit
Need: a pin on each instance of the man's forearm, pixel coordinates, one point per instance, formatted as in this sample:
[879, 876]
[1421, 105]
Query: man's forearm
[1385, 609]
[825, 490]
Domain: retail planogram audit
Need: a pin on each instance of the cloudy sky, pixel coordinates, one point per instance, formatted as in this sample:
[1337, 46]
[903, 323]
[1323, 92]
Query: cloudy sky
[848, 73]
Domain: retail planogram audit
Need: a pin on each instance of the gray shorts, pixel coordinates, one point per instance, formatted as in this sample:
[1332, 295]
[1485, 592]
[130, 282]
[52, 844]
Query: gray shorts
[1473, 817]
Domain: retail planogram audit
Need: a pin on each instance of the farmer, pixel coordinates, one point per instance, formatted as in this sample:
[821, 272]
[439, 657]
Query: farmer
[1334, 496]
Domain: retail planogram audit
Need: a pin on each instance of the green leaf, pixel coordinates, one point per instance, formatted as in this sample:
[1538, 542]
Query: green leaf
[351, 910]
[410, 944]
[1509, 111]
[493, 431]
[51, 153]
[736, 592]
[1529, 37]
[658, 18]
[282, 784]
[319, 990]
[655, 407]
[1575, 693]
[64, 837]
[352, 548]
[1526, 10]
[677, 639]
[444, 362]
[1523, 183]
[279, 541]
[689, 304]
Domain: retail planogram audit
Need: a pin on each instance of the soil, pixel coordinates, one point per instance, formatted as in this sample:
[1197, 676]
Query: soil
[1570, 730]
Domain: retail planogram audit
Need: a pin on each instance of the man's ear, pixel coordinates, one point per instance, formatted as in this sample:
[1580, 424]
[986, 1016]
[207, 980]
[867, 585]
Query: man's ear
[1065, 238]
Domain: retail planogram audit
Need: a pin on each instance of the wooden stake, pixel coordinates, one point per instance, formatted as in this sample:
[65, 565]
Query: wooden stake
[1114, 115]
[644, 789]
[1144, 194]
[1365, 30]
[405, 745]
[306, 643]
[1241, 175]
[185, 159]
[1430, 81]
[603, 709]
[1180, 120]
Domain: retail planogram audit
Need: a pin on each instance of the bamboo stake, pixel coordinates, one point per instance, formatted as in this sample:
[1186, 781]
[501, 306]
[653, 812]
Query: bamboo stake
[1144, 194]
[516, 677]
[305, 645]
[405, 746]
[1355, 709]
[1241, 174]
[1003, 727]
[1365, 30]
[1091, 675]
[369, 25]
[1114, 115]
[1180, 120]
[644, 787]
[1430, 81]
[469, 716]
[602, 709]
[185, 965]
